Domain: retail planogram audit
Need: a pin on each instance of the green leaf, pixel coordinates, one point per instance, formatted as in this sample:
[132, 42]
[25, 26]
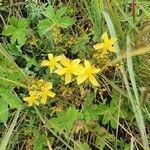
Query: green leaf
[3, 111]
[8, 30]
[17, 30]
[22, 23]
[64, 120]
[9, 97]
[13, 39]
[13, 21]
[90, 112]
[40, 142]
[110, 112]
[49, 13]
[60, 12]
[53, 19]
[21, 41]
[44, 26]
[66, 21]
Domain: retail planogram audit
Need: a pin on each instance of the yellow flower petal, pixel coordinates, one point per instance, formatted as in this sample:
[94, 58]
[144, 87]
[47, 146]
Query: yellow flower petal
[50, 56]
[58, 58]
[30, 104]
[81, 79]
[32, 93]
[36, 102]
[112, 40]
[58, 66]
[111, 49]
[95, 70]
[98, 46]
[60, 71]
[51, 69]
[76, 61]
[45, 63]
[26, 98]
[43, 98]
[67, 77]
[64, 60]
[51, 94]
[49, 85]
[105, 37]
[78, 70]
[87, 64]
[93, 80]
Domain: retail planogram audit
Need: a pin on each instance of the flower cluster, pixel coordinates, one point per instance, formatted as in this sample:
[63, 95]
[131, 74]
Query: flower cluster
[39, 92]
[72, 68]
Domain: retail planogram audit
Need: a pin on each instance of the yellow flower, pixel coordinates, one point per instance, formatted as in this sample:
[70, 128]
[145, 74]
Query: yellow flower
[52, 62]
[45, 92]
[39, 90]
[69, 68]
[32, 99]
[106, 45]
[88, 73]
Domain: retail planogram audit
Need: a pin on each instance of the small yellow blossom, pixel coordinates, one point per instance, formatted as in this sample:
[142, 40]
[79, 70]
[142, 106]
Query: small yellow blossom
[52, 62]
[69, 68]
[32, 99]
[106, 45]
[39, 92]
[88, 73]
[45, 92]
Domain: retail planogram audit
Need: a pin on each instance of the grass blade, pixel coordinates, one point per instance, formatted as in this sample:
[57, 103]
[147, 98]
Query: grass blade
[136, 104]
[137, 112]
[7, 136]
